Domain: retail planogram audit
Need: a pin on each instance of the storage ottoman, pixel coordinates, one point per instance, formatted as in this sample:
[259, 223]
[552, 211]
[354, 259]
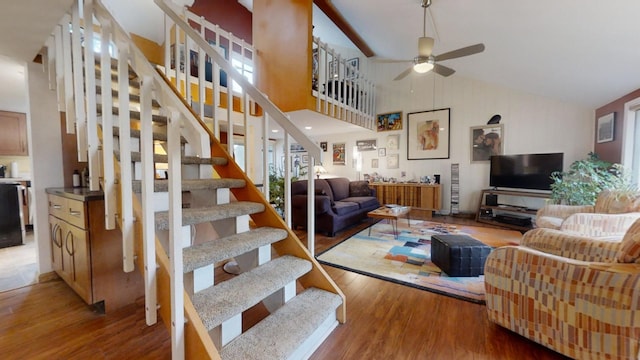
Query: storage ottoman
[459, 255]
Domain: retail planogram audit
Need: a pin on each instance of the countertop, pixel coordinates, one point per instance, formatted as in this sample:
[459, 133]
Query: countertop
[17, 179]
[82, 194]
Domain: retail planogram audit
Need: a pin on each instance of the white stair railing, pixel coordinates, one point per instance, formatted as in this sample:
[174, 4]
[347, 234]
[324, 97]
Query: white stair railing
[341, 89]
[183, 30]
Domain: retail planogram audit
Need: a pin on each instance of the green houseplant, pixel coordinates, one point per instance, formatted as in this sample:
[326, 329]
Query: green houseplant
[585, 179]
[276, 186]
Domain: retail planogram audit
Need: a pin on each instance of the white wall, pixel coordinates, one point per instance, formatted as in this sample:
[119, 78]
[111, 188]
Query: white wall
[45, 147]
[532, 124]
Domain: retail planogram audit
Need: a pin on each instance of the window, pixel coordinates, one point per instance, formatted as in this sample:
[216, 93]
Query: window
[243, 68]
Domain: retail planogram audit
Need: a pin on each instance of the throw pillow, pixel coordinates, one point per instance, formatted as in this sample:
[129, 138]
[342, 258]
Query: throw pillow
[359, 188]
[630, 246]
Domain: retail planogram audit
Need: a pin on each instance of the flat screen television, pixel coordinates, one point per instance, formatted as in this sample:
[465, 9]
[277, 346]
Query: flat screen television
[524, 171]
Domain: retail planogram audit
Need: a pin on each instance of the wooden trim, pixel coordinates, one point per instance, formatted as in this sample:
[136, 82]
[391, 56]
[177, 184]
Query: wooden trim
[332, 13]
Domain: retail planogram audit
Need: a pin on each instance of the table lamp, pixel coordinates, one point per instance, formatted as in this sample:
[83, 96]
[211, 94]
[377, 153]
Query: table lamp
[319, 169]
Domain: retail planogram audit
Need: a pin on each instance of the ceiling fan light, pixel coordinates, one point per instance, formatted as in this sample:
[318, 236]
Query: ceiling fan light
[423, 67]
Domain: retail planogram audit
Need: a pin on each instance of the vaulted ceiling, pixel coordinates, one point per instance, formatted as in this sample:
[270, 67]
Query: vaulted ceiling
[580, 51]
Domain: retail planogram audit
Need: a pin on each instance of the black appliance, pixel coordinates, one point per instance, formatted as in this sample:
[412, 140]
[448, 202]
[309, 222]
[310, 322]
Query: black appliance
[10, 225]
[3, 170]
[491, 200]
[518, 220]
[524, 171]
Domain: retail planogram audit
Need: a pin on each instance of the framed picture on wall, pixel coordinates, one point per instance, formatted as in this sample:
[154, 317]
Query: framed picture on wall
[390, 121]
[485, 141]
[393, 161]
[339, 157]
[605, 128]
[428, 134]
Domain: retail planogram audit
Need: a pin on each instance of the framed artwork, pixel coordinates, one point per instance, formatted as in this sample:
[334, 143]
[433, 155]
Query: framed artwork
[296, 148]
[485, 141]
[374, 163]
[393, 142]
[367, 145]
[605, 128]
[390, 121]
[353, 65]
[382, 152]
[393, 161]
[339, 154]
[323, 146]
[428, 134]
[305, 159]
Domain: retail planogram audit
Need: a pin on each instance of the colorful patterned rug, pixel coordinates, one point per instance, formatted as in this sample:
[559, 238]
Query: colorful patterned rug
[407, 259]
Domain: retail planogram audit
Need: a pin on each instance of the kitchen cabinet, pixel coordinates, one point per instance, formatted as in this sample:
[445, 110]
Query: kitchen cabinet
[13, 134]
[86, 255]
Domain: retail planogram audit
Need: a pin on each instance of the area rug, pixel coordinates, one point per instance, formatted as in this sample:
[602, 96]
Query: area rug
[406, 258]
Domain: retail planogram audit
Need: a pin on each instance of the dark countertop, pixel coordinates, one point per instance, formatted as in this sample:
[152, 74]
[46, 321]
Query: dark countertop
[82, 194]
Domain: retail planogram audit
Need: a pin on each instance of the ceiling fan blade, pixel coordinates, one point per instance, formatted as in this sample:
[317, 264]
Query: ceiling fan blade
[425, 46]
[443, 70]
[404, 74]
[391, 61]
[465, 51]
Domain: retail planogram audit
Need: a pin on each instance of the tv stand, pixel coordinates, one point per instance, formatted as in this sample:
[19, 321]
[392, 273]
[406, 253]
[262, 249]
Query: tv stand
[487, 213]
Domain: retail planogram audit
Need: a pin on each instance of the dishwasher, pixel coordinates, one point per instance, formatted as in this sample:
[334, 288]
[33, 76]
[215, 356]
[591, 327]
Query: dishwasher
[11, 223]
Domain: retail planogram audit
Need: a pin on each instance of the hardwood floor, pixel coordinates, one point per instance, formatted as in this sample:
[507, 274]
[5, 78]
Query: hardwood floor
[384, 321]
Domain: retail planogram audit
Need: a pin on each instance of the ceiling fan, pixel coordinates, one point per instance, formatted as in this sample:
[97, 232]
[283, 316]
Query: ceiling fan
[426, 61]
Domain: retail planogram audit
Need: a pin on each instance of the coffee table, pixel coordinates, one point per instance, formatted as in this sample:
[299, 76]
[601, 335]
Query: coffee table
[391, 214]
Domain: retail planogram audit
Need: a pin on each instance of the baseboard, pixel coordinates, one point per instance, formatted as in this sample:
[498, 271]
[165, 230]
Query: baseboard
[49, 276]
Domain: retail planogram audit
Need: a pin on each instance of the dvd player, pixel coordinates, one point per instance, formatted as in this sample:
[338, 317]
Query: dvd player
[513, 219]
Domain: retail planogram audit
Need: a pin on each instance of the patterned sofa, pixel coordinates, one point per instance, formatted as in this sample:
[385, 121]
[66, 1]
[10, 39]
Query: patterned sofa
[591, 219]
[339, 203]
[574, 294]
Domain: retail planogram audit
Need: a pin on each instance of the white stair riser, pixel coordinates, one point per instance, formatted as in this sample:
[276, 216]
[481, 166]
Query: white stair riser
[185, 237]
[274, 301]
[229, 330]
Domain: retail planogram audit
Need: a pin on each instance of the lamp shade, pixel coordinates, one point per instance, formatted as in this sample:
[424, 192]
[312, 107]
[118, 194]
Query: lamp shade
[319, 169]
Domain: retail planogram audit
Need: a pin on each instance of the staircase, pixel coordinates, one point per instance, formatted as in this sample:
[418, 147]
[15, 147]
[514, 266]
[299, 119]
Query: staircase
[135, 109]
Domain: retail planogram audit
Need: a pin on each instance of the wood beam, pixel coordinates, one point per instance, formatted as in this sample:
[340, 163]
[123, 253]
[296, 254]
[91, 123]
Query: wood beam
[332, 13]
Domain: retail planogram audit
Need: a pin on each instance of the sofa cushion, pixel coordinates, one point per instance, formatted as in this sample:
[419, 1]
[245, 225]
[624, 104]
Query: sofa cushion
[339, 187]
[365, 202]
[345, 207]
[359, 188]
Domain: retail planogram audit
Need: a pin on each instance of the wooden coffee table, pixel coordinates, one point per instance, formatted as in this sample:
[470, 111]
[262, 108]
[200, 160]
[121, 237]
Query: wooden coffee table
[391, 214]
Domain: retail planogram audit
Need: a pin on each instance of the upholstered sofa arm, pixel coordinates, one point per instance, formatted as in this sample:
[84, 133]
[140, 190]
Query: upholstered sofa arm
[573, 246]
[600, 225]
[579, 309]
[322, 203]
[563, 211]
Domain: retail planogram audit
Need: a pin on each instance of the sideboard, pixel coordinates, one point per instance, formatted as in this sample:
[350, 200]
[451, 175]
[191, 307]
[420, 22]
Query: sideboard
[416, 195]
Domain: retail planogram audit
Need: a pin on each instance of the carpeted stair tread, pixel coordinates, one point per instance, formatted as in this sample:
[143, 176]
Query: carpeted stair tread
[135, 133]
[192, 216]
[134, 114]
[193, 184]
[281, 333]
[227, 247]
[185, 160]
[229, 298]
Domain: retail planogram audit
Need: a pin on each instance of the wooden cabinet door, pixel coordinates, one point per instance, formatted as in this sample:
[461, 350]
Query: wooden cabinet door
[76, 251]
[13, 134]
[56, 233]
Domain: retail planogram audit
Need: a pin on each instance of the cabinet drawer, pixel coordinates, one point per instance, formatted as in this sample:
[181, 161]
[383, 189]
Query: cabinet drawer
[75, 213]
[57, 206]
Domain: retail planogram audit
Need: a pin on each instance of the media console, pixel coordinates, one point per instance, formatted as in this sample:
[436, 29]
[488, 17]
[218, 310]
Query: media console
[498, 212]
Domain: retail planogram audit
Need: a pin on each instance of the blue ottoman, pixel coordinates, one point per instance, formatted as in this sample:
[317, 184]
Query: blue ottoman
[459, 255]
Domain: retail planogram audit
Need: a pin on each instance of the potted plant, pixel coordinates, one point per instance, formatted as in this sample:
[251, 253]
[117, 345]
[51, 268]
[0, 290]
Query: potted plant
[276, 187]
[585, 179]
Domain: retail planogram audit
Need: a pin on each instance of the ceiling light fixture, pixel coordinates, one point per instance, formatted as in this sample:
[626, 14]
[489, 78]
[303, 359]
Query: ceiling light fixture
[422, 64]
[308, 127]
